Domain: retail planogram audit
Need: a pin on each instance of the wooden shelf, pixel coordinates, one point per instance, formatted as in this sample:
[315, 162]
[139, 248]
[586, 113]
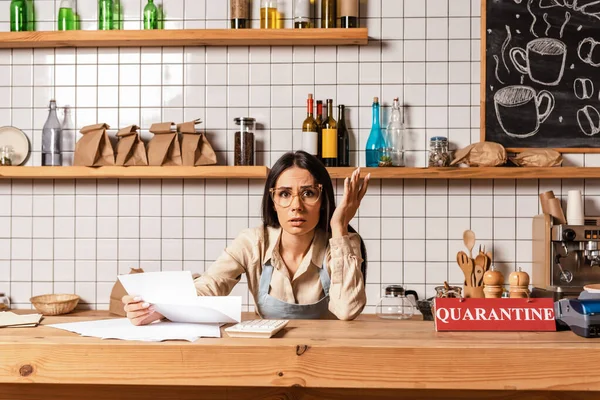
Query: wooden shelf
[185, 37]
[208, 172]
[471, 173]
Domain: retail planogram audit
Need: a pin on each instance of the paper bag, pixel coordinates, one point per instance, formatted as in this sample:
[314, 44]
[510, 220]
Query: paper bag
[94, 148]
[483, 154]
[130, 149]
[195, 149]
[538, 158]
[163, 148]
[117, 293]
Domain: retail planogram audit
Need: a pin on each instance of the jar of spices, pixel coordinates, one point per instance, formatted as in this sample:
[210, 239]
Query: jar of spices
[4, 302]
[439, 156]
[244, 141]
[6, 155]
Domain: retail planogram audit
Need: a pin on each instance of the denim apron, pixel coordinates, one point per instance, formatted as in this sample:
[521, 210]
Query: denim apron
[271, 308]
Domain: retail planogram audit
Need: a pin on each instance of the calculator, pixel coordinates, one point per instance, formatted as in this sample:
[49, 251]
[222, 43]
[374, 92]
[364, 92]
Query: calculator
[256, 328]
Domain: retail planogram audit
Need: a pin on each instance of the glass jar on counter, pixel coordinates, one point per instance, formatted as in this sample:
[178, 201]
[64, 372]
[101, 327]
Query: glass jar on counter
[396, 304]
[439, 155]
[4, 302]
[6, 155]
[244, 141]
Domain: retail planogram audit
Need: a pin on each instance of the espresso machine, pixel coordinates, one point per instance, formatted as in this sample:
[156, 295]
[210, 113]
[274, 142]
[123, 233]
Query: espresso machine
[565, 257]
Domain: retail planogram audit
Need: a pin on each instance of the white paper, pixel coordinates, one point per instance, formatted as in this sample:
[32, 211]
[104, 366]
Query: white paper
[122, 328]
[173, 295]
[8, 318]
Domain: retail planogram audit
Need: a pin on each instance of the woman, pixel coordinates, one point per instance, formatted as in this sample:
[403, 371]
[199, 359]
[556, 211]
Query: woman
[304, 262]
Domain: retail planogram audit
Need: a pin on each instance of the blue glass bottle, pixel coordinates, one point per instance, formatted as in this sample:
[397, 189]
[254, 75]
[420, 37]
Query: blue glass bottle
[376, 141]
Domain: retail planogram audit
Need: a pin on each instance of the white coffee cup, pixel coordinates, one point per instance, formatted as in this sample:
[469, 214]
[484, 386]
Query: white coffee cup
[575, 214]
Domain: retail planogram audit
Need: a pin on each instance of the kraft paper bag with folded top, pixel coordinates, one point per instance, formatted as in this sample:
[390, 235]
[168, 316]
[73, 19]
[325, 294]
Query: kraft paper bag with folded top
[195, 148]
[483, 154]
[117, 293]
[538, 158]
[131, 149]
[163, 148]
[94, 148]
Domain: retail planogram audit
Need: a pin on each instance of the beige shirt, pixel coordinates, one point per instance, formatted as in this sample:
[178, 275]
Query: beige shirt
[254, 247]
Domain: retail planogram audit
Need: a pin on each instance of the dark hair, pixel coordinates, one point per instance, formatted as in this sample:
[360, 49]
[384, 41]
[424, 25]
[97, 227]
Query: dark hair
[312, 164]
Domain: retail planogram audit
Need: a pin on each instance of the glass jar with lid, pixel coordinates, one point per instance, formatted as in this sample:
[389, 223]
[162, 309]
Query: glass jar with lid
[439, 155]
[244, 141]
[396, 304]
[4, 302]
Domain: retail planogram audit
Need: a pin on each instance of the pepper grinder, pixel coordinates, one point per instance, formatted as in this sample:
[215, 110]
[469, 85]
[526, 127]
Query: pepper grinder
[519, 284]
[493, 281]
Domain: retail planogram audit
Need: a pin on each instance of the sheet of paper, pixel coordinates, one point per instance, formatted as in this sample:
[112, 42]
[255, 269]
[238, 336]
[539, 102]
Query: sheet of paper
[173, 294]
[8, 318]
[121, 328]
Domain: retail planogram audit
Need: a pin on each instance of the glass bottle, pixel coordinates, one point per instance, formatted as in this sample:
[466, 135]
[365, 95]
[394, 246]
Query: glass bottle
[67, 145]
[161, 17]
[319, 121]
[343, 139]
[395, 136]
[330, 150]
[310, 135]
[150, 15]
[4, 302]
[239, 14]
[105, 15]
[439, 156]
[268, 14]
[328, 13]
[348, 13]
[117, 15]
[51, 139]
[18, 16]
[66, 17]
[30, 15]
[376, 141]
[302, 14]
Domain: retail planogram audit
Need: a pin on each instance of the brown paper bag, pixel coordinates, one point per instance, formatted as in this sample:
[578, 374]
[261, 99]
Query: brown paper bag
[538, 158]
[130, 149]
[483, 154]
[195, 148]
[117, 293]
[94, 148]
[163, 148]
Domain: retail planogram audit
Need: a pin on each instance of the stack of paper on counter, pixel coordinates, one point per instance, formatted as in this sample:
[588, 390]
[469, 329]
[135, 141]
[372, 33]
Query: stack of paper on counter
[172, 294]
[12, 320]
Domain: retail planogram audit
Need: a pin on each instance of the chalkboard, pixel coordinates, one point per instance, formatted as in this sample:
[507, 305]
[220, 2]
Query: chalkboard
[541, 74]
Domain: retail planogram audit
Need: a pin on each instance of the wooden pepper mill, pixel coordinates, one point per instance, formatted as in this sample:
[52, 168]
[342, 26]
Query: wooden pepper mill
[519, 284]
[493, 281]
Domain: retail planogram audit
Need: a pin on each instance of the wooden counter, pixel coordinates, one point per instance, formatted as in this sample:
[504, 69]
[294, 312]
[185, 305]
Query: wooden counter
[366, 358]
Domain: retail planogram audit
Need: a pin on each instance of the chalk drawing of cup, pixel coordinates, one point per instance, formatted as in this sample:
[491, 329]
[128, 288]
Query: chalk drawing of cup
[518, 110]
[543, 60]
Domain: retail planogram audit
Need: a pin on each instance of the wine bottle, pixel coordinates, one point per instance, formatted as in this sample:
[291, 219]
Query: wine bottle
[302, 14]
[348, 13]
[239, 14]
[330, 151]
[328, 13]
[343, 139]
[18, 16]
[105, 15]
[319, 121]
[310, 137]
[150, 15]
[66, 17]
[376, 141]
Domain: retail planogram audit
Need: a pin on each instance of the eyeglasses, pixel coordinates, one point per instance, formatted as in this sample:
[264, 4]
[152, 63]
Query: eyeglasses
[309, 195]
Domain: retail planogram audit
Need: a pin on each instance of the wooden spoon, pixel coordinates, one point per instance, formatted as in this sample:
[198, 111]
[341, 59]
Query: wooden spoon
[465, 264]
[480, 263]
[469, 239]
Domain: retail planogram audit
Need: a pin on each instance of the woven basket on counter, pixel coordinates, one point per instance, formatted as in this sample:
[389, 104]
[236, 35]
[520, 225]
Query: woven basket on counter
[55, 304]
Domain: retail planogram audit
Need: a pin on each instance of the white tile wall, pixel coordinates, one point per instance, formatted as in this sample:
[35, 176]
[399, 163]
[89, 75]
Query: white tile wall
[67, 236]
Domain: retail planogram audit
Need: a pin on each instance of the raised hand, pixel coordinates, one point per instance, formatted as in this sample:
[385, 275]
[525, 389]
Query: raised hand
[353, 195]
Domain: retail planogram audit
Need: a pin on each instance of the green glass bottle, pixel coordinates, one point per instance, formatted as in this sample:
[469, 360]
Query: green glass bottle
[150, 16]
[18, 16]
[66, 17]
[105, 15]
[118, 15]
[161, 17]
[30, 15]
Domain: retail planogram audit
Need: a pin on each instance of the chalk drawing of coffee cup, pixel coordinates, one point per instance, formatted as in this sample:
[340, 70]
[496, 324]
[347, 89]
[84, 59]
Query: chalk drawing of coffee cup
[518, 110]
[588, 119]
[543, 60]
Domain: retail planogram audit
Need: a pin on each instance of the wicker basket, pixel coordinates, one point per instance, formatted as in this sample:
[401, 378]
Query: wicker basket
[55, 304]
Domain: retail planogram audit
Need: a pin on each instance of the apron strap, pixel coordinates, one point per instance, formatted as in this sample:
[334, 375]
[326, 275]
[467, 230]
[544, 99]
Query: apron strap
[265, 279]
[325, 281]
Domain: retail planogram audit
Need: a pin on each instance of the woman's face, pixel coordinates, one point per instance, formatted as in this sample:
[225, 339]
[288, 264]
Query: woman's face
[297, 187]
